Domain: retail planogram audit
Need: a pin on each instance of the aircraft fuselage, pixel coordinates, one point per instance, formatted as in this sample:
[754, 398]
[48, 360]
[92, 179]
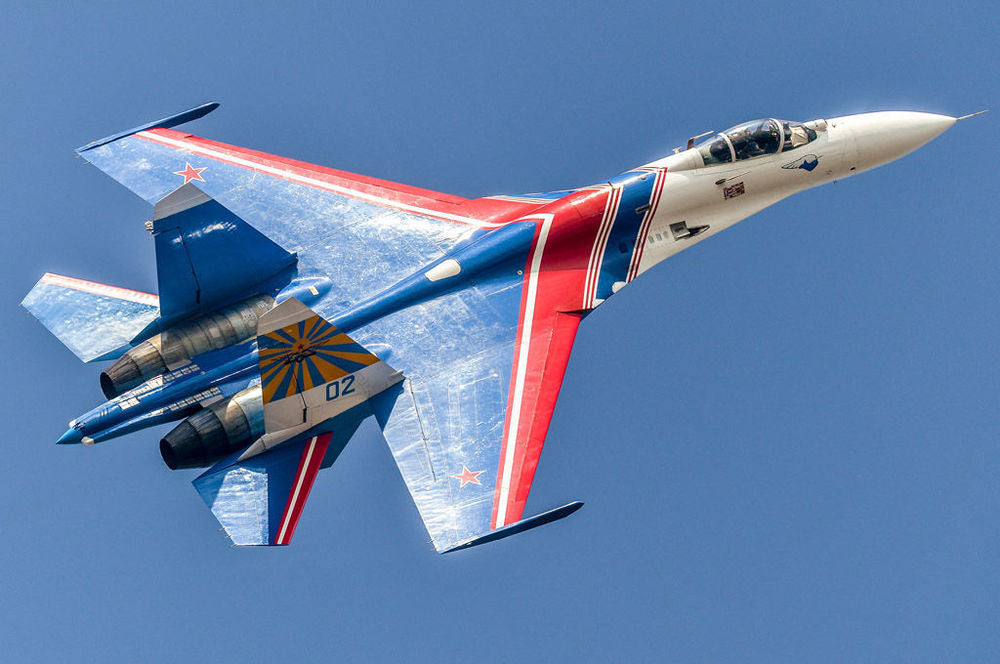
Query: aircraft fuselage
[596, 239]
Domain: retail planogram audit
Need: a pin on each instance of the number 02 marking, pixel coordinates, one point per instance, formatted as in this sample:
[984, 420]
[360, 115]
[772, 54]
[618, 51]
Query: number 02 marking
[340, 388]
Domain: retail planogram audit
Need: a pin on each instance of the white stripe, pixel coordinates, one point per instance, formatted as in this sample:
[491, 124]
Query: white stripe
[521, 199]
[600, 243]
[353, 193]
[587, 298]
[603, 243]
[295, 494]
[522, 367]
[590, 259]
[640, 242]
[647, 221]
[604, 240]
[99, 289]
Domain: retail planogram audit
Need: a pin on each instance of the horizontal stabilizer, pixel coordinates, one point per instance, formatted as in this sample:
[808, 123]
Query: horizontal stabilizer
[520, 526]
[95, 321]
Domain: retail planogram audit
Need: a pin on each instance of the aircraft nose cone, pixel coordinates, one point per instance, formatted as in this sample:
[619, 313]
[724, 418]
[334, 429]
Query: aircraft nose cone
[71, 436]
[888, 135]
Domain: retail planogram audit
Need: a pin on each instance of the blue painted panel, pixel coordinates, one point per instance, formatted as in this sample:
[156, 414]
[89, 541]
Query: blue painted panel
[637, 188]
[479, 261]
[206, 255]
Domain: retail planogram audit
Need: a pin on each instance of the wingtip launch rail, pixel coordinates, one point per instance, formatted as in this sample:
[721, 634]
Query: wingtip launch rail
[164, 123]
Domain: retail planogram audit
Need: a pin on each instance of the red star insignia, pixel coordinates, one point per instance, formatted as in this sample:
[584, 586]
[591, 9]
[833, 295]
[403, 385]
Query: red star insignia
[467, 476]
[191, 173]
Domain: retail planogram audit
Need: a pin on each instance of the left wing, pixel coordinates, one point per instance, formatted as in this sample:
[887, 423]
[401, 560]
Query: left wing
[363, 233]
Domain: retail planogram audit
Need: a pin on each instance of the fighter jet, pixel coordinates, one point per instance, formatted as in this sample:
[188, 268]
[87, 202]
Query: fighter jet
[295, 301]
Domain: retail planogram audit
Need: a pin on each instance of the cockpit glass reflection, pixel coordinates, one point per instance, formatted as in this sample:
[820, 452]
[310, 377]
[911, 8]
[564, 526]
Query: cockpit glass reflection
[756, 138]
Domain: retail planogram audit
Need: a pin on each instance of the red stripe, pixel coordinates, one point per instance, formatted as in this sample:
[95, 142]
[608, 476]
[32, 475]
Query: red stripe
[596, 252]
[100, 289]
[312, 457]
[391, 194]
[562, 275]
[553, 358]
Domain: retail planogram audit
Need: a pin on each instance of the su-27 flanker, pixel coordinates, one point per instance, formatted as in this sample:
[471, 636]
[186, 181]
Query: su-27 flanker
[295, 301]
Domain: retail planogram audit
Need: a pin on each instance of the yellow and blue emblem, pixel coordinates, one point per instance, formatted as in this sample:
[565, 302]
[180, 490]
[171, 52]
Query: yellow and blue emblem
[306, 354]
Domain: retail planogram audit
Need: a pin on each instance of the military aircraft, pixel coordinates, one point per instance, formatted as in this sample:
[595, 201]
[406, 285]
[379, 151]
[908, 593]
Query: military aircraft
[296, 300]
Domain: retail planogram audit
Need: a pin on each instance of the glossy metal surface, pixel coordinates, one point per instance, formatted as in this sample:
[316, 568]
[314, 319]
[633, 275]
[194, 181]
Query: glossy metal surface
[176, 346]
[213, 432]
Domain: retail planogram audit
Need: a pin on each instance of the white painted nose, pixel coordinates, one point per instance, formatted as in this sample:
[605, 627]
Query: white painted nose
[888, 135]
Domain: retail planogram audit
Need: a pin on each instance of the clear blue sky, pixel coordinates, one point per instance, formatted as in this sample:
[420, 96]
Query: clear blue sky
[786, 437]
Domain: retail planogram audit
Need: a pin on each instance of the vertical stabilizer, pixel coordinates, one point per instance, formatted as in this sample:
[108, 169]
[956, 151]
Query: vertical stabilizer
[206, 255]
[310, 371]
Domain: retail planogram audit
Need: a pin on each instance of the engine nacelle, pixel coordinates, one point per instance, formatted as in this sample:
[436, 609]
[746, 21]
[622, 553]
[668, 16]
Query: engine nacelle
[174, 347]
[213, 432]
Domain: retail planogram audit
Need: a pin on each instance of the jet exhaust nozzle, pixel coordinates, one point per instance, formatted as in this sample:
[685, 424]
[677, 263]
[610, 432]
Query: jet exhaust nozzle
[174, 347]
[214, 432]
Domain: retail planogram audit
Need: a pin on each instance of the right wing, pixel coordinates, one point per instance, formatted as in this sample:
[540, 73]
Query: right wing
[483, 370]
[484, 366]
[467, 438]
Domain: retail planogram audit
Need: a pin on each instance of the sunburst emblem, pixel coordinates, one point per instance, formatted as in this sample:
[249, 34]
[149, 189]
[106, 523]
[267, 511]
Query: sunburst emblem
[307, 354]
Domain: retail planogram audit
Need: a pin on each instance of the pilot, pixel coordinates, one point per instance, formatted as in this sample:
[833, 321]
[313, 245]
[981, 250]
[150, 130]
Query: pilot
[750, 143]
[740, 141]
[766, 137]
[720, 151]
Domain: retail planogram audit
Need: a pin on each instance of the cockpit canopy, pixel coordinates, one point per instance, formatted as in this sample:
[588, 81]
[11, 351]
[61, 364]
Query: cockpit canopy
[754, 139]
